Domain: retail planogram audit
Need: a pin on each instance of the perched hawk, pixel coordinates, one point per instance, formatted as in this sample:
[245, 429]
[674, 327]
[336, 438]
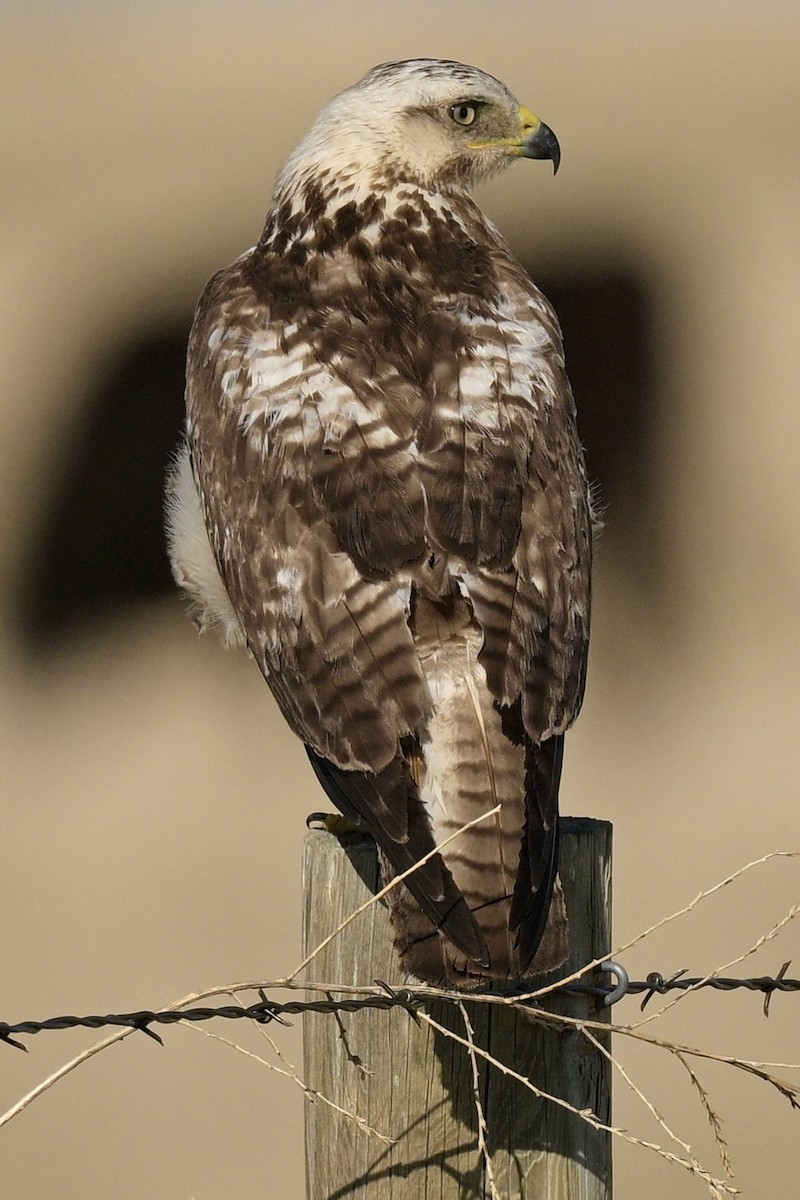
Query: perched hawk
[383, 496]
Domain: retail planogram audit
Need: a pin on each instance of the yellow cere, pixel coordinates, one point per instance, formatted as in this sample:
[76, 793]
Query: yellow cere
[529, 123]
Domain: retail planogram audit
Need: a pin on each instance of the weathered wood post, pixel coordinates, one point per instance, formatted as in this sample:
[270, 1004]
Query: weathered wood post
[414, 1085]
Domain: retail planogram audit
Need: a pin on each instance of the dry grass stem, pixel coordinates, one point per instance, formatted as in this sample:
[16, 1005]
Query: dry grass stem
[483, 1147]
[713, 1119]
[355, 1059]
[786, 1087]
[289, 1072]
[61, 1073]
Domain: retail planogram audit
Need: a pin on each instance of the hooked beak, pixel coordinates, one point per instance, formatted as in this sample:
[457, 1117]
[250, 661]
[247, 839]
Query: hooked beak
[538, 139]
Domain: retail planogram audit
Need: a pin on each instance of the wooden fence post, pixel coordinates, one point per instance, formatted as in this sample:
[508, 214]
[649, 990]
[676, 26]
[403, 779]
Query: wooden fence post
[414, 1085]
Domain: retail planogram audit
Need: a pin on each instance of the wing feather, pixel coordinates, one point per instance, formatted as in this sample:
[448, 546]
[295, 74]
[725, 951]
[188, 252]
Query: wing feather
[304, 485]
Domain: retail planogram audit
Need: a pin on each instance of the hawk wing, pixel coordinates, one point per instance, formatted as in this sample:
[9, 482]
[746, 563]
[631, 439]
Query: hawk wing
[312, 512]
[351, 474]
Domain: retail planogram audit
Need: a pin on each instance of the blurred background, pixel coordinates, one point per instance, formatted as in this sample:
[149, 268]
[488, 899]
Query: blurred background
[153, 803]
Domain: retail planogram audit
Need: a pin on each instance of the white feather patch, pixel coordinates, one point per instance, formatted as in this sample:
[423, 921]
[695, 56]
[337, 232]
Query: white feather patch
[194, 567]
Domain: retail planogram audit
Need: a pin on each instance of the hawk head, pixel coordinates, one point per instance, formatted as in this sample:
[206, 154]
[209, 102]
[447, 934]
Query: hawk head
[427, 121]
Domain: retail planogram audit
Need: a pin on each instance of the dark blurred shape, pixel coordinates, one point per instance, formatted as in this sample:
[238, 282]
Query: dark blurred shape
[608, 321]
[608, 339]
[103, 545]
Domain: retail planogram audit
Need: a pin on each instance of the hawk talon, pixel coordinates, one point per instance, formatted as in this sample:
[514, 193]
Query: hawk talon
[317, 820]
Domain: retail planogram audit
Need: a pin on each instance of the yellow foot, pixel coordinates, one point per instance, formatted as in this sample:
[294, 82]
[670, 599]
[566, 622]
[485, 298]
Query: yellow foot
[333, 823]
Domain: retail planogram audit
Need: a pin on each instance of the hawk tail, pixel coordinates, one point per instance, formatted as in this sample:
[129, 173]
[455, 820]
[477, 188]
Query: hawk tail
[387, 804]
[537, 912]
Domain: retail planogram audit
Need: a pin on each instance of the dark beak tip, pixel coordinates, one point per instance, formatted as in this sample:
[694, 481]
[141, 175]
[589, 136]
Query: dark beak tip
[544, 144]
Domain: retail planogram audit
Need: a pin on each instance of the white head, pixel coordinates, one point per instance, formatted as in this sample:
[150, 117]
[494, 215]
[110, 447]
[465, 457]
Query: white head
[439, 124]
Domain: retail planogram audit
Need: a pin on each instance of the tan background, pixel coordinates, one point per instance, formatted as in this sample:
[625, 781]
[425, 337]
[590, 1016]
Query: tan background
[153, 804]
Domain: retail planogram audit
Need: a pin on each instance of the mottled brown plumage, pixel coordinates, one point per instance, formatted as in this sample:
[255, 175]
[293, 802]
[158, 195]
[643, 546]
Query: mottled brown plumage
[383, 495]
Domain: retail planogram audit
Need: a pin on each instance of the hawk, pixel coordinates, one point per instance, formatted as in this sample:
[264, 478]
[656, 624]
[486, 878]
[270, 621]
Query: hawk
[383, 496]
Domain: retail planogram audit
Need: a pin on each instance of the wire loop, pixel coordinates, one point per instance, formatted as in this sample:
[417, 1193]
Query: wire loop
[622, 985]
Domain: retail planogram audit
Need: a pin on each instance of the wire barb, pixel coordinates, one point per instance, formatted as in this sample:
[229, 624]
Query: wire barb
[5, 1036]
[658, 985]
[780, 976]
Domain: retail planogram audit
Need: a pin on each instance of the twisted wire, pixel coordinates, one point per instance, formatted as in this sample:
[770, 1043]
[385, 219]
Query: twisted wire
[267, 1010]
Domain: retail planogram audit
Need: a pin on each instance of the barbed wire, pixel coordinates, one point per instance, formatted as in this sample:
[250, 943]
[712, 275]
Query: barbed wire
[267, 1010]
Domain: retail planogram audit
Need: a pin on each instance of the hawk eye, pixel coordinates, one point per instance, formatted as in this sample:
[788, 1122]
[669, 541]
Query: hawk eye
[463, 114]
